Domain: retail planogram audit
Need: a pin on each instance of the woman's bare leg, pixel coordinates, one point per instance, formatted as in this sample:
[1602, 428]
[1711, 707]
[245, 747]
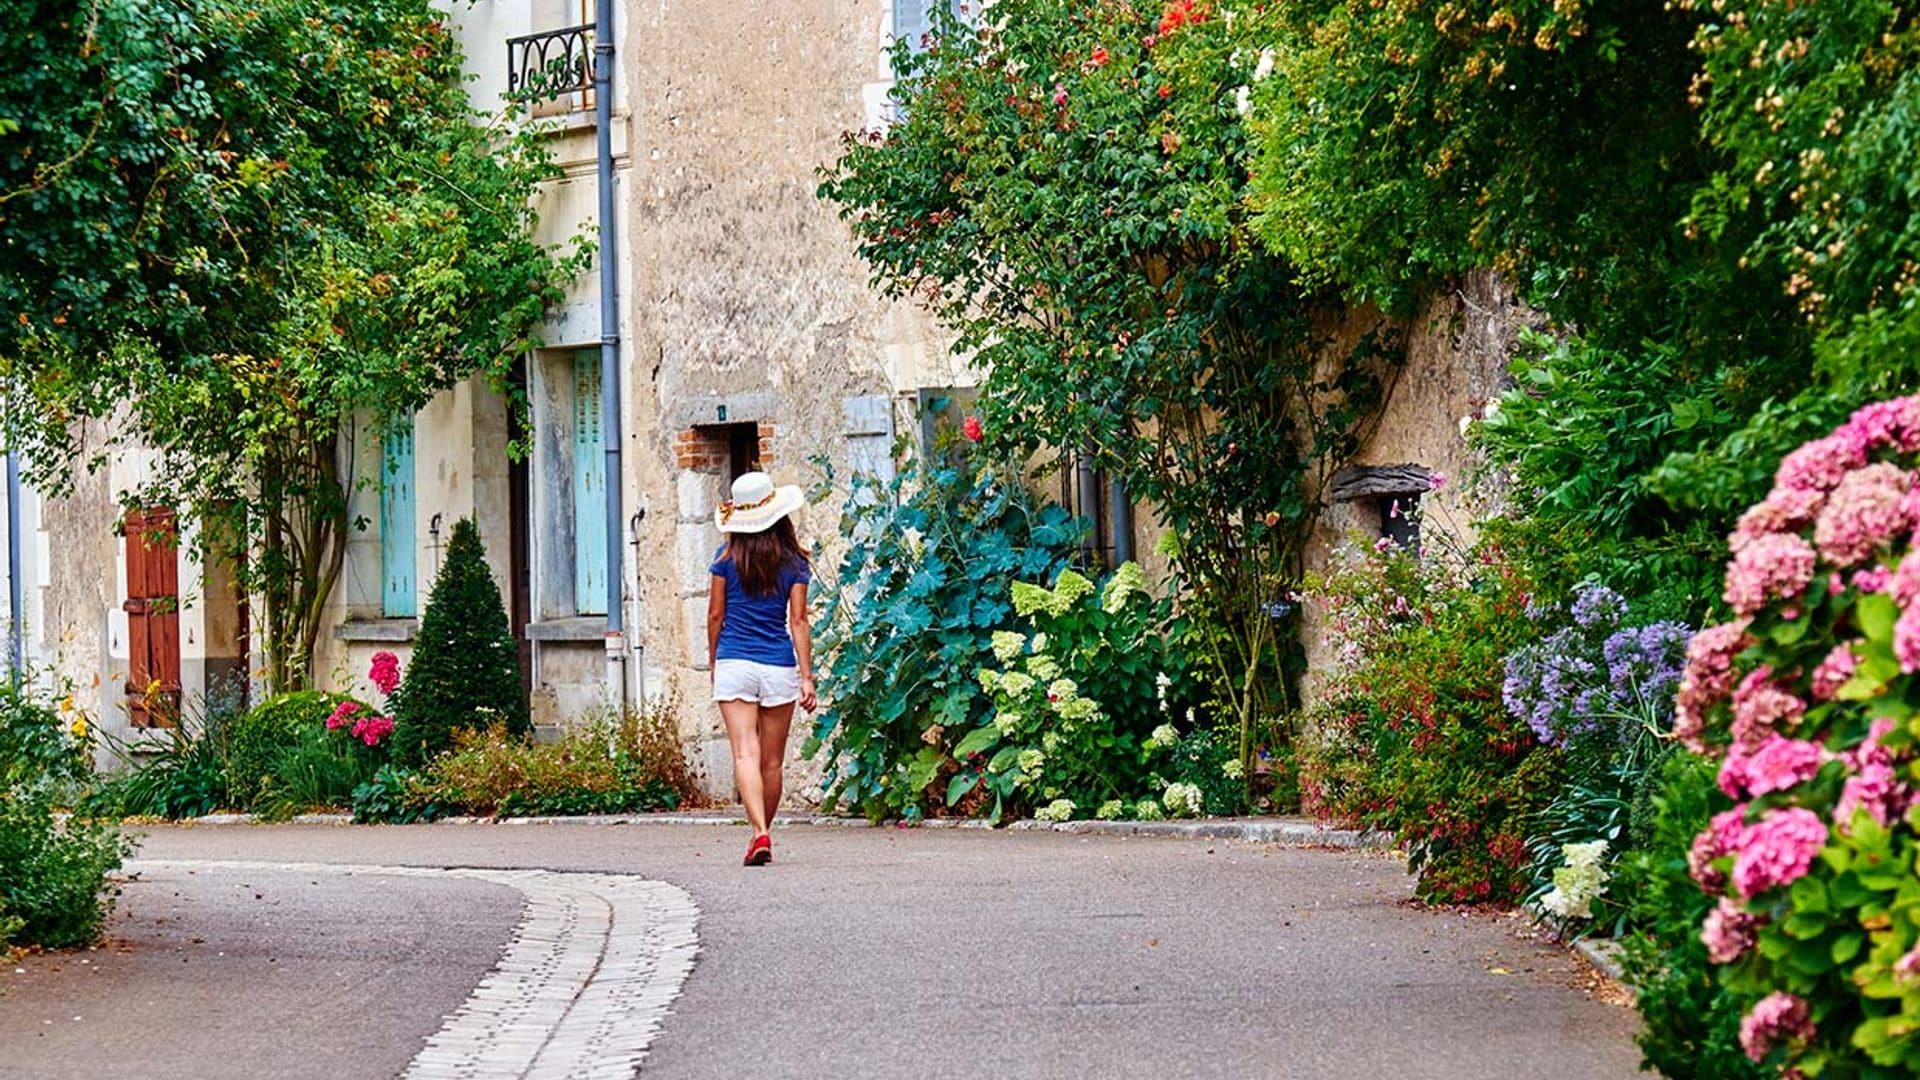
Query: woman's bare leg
[743, 733]
[774, 723]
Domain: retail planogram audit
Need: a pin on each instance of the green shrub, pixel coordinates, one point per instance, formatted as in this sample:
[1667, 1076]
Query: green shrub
[188, 778]
[1074, 702]
[465, 671]
[1414, 738]
[1690, 1030]
[52, 871]
[260, 739]
[600, 765]
[926, 581]
[320, 769]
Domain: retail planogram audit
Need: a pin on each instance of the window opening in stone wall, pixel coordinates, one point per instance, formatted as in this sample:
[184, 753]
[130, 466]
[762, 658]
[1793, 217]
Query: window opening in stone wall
[1386, 499]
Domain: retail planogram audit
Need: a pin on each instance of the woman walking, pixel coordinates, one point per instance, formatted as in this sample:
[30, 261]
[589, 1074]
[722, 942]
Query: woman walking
[758, 643]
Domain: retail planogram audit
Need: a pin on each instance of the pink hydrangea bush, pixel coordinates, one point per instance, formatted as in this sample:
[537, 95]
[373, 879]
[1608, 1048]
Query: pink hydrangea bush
[1808, 699]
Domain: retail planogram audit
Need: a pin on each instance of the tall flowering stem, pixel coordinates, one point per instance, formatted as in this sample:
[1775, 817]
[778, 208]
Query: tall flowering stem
[1808, 699]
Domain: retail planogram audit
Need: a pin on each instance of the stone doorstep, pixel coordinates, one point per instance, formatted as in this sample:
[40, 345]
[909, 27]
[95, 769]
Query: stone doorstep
[1290, 831]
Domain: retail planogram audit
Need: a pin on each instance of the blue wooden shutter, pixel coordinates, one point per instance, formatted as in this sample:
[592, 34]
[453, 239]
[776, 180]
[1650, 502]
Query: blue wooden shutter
[398, 589]
[589, 488]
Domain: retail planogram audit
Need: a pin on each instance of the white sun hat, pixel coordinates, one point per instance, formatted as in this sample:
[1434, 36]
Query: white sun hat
[756, 504]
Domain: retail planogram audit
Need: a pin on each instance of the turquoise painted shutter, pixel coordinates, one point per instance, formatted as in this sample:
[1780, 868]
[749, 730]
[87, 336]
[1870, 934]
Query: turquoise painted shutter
[589, 488]
[399, 594]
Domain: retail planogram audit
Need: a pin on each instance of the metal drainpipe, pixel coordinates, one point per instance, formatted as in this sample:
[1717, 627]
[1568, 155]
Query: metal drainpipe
[1088, 497]
[1120, 520]
[610, 349]
[16, 618]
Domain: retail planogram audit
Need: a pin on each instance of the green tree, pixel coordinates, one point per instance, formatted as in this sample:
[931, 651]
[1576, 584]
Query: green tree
[465, 671]
[1066, 188]
[234, 226]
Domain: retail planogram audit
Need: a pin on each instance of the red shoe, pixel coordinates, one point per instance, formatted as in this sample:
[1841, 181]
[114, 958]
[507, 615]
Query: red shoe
[759, 851]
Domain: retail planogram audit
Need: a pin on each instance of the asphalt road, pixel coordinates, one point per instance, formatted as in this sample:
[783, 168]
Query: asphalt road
[859, 953]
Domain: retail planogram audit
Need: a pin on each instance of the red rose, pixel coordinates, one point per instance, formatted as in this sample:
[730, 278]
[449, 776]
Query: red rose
[1100, 55]
[970, 427]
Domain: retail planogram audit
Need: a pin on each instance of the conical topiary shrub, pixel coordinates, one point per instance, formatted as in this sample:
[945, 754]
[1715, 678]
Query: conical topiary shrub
[465, 672]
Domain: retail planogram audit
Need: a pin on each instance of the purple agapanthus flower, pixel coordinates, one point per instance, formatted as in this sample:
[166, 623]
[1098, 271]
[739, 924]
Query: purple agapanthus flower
[1579, 679]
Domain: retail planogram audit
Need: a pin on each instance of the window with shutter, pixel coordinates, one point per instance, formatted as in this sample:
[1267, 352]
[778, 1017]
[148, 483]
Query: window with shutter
[153, 617]
[589, 487]
[399, 591]
[910, 22]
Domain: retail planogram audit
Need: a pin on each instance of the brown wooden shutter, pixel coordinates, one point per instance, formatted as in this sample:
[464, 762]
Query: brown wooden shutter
[153, 617]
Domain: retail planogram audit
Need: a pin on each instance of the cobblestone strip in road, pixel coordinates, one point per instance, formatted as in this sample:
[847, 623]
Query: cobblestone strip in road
[581, 989]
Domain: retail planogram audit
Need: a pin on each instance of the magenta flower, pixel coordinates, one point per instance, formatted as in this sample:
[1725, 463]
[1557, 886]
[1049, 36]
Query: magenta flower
[1708, 678]
[1777, 850]
[372, 729]
[342, 715]
[1779, 1017]
[1437, 480]
[1777, 566]
[1728, 932]
[1907, 968]
[1887, 425]
[1867, 509]
[385, 671]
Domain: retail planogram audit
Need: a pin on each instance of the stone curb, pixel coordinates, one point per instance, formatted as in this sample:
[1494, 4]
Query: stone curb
[1291, 832]
[1604, 955]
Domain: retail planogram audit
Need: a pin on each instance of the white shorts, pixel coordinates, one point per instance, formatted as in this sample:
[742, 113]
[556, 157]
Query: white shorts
[765, 684]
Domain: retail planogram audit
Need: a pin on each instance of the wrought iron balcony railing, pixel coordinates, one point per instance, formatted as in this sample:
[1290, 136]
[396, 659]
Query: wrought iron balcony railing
[552, 71]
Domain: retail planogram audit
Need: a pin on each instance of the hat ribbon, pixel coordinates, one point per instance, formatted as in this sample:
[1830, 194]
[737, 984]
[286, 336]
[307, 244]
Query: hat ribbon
[727, 508]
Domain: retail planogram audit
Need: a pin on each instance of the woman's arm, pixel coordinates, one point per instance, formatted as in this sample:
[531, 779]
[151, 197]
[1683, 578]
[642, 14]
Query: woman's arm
[802, 631]
[716, 616]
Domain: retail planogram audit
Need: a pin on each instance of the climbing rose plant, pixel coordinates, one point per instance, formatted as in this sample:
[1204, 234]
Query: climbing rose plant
[1808, 700]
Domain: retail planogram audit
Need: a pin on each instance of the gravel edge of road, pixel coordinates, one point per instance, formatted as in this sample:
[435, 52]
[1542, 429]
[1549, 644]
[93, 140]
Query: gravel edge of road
[1293, 833]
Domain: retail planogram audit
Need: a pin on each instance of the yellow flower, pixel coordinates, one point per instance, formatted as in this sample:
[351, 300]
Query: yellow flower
[79, 727]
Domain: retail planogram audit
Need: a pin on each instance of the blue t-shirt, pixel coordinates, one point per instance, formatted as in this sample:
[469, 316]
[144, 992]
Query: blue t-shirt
[756, 626]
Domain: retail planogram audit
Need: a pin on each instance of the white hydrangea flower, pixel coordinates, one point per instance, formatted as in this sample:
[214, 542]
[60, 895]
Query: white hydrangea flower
[1147, 810]
[1044, 667]
[1069, 589]
[1016, 683]
[1030, 761]
[989, 679]
[1233, 770]
[1061, 691]
[1265, 67]
[1057, 810]
[1007, 645]
[1050, 741]
[1110, 810]
[1039, 643]
[1128, 579]
[1078, 709]
[1007, 722]
[1163, 737]
[1182, 800]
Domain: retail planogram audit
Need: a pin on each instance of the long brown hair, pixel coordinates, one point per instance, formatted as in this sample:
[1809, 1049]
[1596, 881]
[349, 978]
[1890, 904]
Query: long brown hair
[758, 558]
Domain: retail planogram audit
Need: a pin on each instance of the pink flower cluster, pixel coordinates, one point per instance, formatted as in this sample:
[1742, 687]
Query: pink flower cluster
[385, 672]
[1708, 678]
[1779, 1017]
[1729, 931]
[372, 729]
[1764, 692]
[1777, 850]
[342, 715]
[1778, 764]
[1871, 784]
[1762, 706]
[1776, 566]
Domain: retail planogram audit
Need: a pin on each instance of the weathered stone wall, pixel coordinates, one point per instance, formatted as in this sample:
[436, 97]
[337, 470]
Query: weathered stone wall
[751, 306]
[1457, 352]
